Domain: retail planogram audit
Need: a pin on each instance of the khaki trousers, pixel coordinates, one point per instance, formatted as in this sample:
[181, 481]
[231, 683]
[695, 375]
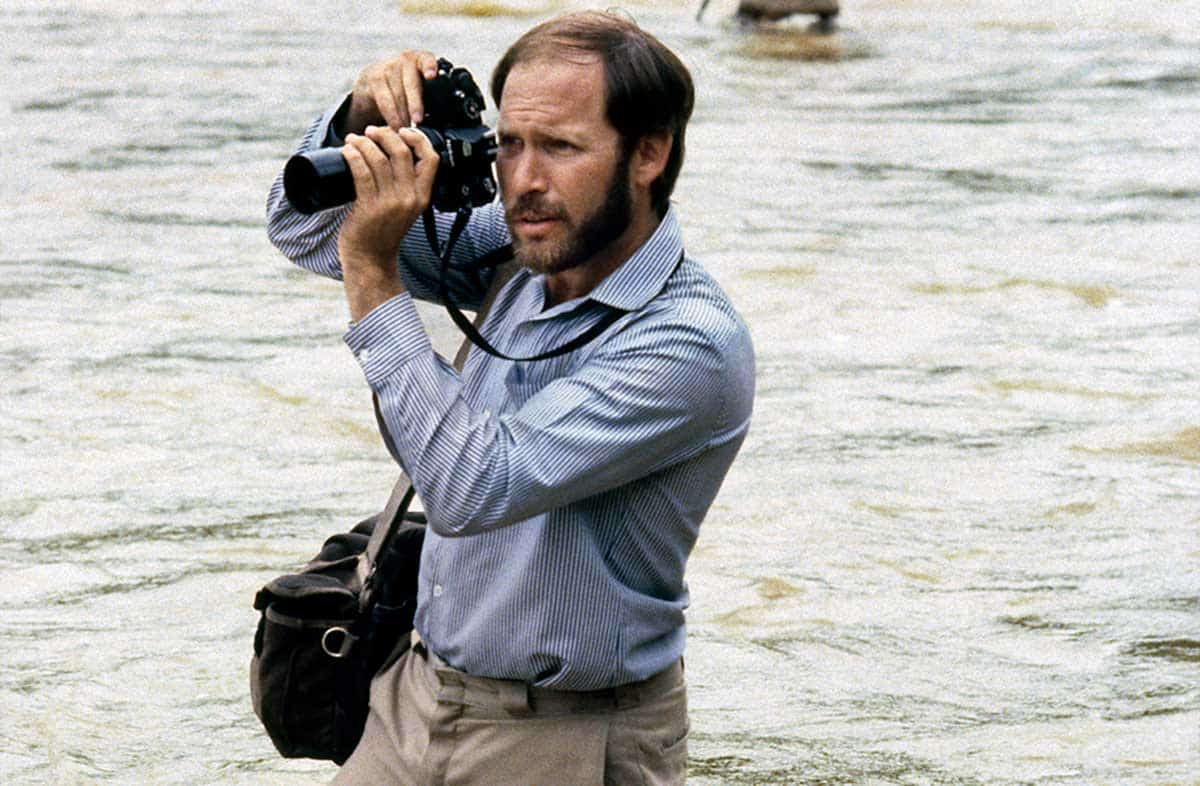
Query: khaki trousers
[432, 725]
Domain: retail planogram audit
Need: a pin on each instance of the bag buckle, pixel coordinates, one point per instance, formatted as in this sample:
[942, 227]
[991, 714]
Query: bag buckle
[337, 642]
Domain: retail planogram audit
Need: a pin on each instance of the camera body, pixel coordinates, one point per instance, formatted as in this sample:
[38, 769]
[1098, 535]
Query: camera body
[453, 105]
[454, 126]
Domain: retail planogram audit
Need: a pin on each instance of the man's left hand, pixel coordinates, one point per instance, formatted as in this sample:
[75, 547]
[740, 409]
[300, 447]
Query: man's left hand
[393, 181]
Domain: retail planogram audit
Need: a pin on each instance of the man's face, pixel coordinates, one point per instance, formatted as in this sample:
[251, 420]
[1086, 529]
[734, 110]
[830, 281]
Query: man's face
[563, 176]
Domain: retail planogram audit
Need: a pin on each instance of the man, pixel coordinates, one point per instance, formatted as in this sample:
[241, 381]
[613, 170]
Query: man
[564, 495]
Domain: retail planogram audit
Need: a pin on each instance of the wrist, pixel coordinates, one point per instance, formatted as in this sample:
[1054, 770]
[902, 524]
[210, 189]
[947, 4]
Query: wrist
[365, 263]
[362, 300]
[359, 113]
[369, 282]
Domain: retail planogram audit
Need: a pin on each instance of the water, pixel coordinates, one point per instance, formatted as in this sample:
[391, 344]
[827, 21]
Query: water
[960, 546]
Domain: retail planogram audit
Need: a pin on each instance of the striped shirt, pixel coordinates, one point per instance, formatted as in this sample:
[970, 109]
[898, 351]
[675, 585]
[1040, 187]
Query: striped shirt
[563, 496]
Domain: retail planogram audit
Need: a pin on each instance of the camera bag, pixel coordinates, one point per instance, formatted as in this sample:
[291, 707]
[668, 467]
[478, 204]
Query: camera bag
[327, 629]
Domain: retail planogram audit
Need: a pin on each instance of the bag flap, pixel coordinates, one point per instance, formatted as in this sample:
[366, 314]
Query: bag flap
[307, 589]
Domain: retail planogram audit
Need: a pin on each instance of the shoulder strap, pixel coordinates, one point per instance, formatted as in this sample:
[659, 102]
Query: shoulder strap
[389, 519]
[478, 340]
[460, 319]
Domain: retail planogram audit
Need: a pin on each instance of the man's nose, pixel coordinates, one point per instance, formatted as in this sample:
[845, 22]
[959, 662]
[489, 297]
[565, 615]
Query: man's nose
[524, 174]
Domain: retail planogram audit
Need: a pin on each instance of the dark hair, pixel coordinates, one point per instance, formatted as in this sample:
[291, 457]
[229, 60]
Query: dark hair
[649, 89]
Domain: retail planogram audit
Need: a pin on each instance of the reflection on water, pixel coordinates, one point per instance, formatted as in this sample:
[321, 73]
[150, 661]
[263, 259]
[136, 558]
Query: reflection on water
[1094, 296]
[960, 544]
[1185, 445]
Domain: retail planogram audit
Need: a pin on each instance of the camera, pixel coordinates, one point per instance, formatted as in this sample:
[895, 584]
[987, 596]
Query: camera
[453, 104]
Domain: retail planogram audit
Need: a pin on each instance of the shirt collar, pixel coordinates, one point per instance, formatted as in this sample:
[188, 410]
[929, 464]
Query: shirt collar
[643, 275]
[639, 278]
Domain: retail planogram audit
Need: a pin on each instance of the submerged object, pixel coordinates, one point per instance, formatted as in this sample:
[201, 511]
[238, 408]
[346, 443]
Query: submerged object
[773, 10]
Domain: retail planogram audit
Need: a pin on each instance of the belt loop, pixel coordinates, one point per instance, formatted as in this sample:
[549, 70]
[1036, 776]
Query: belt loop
[514, 697]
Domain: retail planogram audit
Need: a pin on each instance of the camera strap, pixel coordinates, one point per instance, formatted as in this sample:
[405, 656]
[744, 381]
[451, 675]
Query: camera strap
[496, 257]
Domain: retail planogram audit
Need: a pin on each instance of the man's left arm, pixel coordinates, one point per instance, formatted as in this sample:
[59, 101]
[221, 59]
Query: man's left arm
[658, 392]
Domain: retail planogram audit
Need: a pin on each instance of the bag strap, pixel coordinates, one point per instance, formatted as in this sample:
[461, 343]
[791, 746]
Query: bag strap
[388, 521]
[386, 525]
[505, 269]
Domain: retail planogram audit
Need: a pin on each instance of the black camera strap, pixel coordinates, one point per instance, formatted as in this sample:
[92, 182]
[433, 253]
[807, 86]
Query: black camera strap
[488, 260]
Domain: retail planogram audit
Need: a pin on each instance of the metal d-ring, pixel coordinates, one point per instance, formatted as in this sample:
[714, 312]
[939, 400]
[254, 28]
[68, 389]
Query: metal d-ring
[346, 642]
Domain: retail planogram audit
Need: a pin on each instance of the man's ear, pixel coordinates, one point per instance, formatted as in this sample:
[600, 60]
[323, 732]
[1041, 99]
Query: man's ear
[650, 158]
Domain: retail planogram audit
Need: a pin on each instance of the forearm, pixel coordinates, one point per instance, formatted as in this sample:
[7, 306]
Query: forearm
[368, 287]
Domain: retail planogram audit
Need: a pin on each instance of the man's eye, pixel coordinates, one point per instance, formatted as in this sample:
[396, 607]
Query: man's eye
[560, 146]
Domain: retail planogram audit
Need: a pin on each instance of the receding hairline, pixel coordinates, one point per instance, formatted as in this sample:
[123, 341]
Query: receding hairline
[580, 58]
[595, 66]
[571, 35]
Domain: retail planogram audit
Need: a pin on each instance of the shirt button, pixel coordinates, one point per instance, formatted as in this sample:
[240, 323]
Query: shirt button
[438, 590]
[364, 356]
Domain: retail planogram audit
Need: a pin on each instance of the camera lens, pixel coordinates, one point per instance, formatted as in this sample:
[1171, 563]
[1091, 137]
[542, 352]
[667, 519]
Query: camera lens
[318, 180]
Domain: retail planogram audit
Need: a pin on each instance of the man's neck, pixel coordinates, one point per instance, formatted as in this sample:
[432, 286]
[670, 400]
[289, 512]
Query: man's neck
[582, 279]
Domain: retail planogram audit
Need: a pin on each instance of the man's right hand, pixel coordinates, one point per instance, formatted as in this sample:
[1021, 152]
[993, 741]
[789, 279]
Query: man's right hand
[393, 178]
[389, 92]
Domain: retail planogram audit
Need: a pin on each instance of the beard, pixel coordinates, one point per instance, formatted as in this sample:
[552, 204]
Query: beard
[584, 239]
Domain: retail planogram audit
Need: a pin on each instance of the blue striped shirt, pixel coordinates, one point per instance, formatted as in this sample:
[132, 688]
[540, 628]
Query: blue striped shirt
[564, 495]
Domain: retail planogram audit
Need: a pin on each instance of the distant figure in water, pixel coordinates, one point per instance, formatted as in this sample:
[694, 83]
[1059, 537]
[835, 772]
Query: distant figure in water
[774, 10]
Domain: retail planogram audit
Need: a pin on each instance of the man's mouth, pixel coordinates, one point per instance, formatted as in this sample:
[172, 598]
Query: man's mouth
[535, 222]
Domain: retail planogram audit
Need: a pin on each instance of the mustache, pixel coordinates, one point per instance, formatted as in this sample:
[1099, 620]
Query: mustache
[535, 205]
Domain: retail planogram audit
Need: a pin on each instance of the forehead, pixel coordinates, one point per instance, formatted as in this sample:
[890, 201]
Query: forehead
[554, 92]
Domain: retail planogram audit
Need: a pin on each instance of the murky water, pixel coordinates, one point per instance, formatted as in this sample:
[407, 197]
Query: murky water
[960, 546]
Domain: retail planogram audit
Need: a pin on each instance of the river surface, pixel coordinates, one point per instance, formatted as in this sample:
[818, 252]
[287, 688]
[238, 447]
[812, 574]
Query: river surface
[961, 543]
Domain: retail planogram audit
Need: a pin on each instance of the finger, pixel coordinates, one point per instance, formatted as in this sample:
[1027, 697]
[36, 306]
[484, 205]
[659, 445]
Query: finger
[394, 112]
[400, 157]
[399, 98]
[377, 160]
[427, 159]
[360, 170]
[427, 62]
[412, 81]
